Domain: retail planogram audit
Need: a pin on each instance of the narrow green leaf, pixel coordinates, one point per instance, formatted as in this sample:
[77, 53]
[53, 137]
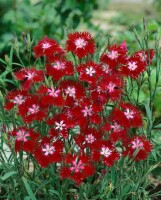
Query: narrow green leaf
[113, 175]
[27, 198]
[55, 192]
[7, 175]
[2, 61]
[148, 111]
[11, 55]
[28, 189]
[126, 189]
[96, 197]
[157, 126]
[154, 154]
[18, 64]
[4, 74]
[43, 185]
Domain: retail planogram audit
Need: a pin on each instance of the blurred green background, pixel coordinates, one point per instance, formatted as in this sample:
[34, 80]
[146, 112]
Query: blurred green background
[56, 18]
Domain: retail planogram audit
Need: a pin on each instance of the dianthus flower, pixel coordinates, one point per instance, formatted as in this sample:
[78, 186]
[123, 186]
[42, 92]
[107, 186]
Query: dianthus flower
[59, 68]
[89, 72]
[29, 76]
[80, 43]
[47, 47]
[99, 96]
[115, 55]
[86, 112]
[120, 135]
[79, 109]
[32, 109]
[48, 151]
[115, 131]
[72, 89]
[104, 149]
[61, 123]
[137, 148]
[77, 168]
[145, 56]
[133, 67]
[113, 86]
[128, 117]
[88, 137]
[51, 96]
[15, 98]
[25, 139]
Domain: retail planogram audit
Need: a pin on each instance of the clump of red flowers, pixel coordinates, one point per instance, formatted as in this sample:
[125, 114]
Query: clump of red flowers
[64, 107]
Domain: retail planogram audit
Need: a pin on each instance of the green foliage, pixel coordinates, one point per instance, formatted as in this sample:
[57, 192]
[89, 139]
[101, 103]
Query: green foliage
[52, 18]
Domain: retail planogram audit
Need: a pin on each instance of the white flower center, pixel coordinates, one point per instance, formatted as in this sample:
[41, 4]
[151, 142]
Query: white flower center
[54, 93]
[136, 144]
[19, 99]
[113, 55]
[111, 87]
[77, 167]
[70, 91]
[106, 69]
[105, 151]
[60, 125]
[34, 109]
[30, 75]
[46, 45]
[22, 135]
[116, 127]
[129, 114]
[132, 65]
[80, 43]
[48, 150]
[87, 111]
[90, 71]
[59, 65]
[90, 138]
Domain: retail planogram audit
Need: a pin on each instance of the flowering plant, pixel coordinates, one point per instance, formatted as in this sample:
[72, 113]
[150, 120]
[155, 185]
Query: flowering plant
[74, 113]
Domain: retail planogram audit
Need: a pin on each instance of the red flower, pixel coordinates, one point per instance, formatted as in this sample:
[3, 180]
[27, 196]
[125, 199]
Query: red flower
[9, 105]
[48, 151]
[86, 112]
[138, 148]
[88, 137]
[89, 72]
[133, 67]
[29, 76]
[99, 97]
[15, 98]
[77, 169]
[47, 47]
[61, 124]
[72, 89]
[145, 56]
[119, 135]
[25, 139]
[128, 117]
[51, 96]
[59, 68]
[114, 56]
[107, 151]
[113, 85]
[32, 109]
[80, 43]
